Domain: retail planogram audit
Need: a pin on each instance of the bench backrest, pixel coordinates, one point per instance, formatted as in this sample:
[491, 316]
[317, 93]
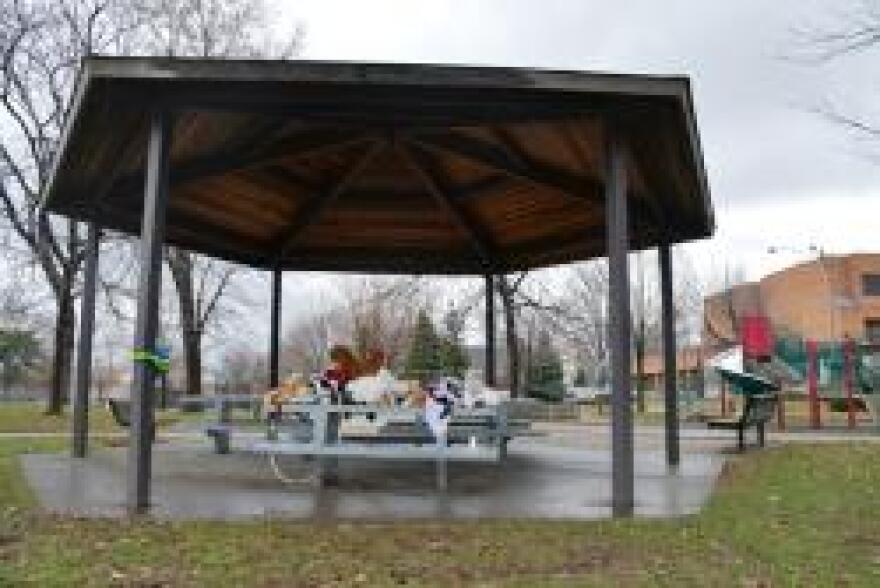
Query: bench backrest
[759, 408]
[121, 411]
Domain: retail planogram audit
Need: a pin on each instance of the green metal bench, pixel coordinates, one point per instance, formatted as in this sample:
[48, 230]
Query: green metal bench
[757, 412]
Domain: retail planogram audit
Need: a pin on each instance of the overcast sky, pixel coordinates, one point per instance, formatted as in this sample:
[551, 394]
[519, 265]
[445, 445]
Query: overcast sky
[780, 175]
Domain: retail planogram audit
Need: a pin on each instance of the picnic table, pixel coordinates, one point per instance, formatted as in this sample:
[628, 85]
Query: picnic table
[314, 430]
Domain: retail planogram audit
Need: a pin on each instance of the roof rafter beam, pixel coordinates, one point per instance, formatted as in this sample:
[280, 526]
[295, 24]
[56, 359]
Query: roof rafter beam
[654, 200]
[311, 210]
[420, 161]
[478, 188]
[519, 166]
[229, 247]
[232, 159]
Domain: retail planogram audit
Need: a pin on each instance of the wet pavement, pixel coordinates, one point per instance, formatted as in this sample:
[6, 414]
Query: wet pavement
[564, 475]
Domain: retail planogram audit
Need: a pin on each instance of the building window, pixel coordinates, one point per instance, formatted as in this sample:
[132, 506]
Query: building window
[871, 284]
[872, 330]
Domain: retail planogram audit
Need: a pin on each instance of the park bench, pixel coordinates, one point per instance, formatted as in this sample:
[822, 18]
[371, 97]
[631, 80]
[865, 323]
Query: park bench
[221, 435]
[223, 404]
[121, 411]
[757, 411]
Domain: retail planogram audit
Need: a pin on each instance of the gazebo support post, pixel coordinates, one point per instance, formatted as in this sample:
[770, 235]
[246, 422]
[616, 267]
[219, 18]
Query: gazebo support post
[670, 370]
[490, 331]
[146, 328]
[80, 440]
[619, 326]
[275, 328]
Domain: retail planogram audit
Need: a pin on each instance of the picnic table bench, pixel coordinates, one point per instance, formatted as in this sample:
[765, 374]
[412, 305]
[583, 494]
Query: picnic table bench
[223, 404]
[757, 411]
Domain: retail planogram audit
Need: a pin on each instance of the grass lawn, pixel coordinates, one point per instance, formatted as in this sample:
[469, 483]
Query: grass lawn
[793, 516]
[31, 417]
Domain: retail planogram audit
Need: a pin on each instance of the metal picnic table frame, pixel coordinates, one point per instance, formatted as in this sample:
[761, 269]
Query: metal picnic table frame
[311, 429]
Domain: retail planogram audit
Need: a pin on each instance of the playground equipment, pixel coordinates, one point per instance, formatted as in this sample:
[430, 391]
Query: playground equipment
[842, 374]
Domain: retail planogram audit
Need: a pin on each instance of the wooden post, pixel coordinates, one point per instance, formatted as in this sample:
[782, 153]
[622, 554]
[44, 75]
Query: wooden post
[848, 379]
[489, 375]
[780, 411]
[813, 384]
[146, 328]
[80, 440]
[619, 326]
[275, 328]
[670, 387]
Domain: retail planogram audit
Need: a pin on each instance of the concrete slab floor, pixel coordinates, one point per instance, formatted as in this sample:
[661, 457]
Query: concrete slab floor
[565, 475]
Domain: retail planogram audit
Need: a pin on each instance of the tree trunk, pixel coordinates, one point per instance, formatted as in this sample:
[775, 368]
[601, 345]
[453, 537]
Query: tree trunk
[513, 365]
[640, 367]
[63, 353]
[529, 375]
[180, 264]
[5, 380]
[192, 354]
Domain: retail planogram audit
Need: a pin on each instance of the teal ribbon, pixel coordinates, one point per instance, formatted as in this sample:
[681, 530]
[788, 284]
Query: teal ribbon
[158, 361]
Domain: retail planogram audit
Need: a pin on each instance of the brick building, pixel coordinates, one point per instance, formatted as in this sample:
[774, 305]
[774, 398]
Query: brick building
[827, 299]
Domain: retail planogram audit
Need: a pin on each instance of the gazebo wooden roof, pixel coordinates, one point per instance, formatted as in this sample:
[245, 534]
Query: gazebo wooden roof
[383, 167]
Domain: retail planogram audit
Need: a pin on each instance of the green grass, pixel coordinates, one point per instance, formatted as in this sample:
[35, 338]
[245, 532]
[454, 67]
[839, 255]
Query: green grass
[31, 417]
[792, 516]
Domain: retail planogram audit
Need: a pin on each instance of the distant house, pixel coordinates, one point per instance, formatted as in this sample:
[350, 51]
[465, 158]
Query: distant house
[689, 364]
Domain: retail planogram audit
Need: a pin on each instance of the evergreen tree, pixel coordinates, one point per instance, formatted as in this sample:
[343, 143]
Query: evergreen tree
[453, 358]
[18, 351]
[424, 359]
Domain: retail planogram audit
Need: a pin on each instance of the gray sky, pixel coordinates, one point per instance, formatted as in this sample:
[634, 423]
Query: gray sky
[780, 175]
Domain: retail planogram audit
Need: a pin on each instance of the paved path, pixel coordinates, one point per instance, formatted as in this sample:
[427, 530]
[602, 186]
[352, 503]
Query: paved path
[565, 475]
[699, 437]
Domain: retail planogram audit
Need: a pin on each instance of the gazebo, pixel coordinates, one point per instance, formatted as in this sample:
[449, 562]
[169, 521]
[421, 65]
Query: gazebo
[386, 168]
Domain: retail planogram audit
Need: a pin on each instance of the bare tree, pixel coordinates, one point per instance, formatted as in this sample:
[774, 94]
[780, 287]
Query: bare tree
[243, 371]
[380, 313]
[200, 284]
[508, 289]
[41, 44]
[207, 28]
[307, 343]
[373, 314]
[853, 30]
[214, 28]
[577, 311]
[689, 293]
